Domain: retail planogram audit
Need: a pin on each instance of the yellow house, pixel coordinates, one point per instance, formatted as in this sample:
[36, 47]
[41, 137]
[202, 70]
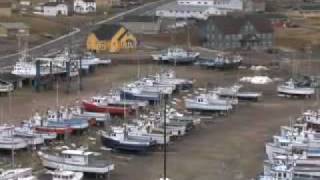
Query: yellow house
[110, 38]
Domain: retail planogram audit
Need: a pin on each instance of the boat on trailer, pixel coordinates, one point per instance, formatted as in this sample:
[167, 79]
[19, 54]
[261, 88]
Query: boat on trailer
[118, 139]
[8, 141]
[77, 161]
[100, 105]
[290, 88]
[17, 174]
[203, 103]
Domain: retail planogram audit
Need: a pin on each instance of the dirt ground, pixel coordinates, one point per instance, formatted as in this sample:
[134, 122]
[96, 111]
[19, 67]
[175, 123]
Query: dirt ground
[228, 148]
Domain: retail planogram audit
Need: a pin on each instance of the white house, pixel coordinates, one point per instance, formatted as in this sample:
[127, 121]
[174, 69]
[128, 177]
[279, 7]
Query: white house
[199, 9]
[55, 9]
[224, 4]
[85, 6]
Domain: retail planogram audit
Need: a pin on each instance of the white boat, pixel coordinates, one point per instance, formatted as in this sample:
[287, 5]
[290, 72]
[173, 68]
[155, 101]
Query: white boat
[100, 118]
[146, 132]
[8, 141]
[289, 88]
[76, 160]
[30, 136]
[89, 59]
[176, 55]
[205, 103]
[17, 174]
[28, 69]
[66, 175]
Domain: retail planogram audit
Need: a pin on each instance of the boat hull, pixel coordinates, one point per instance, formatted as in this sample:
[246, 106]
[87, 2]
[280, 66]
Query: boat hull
[116, 145]
[112, 110]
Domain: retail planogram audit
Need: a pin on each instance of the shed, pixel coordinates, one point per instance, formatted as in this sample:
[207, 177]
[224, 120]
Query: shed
[5, 8]
[12, 29]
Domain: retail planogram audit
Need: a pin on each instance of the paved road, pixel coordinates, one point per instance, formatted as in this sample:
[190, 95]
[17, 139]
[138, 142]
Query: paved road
[78, 36]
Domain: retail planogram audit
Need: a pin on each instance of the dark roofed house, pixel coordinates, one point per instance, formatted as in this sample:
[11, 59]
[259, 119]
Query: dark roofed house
[142, 24]
[5, 8]
[234, 32]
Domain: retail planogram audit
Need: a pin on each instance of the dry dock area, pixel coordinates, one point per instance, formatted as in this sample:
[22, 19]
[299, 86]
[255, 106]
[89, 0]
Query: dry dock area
[228, 148]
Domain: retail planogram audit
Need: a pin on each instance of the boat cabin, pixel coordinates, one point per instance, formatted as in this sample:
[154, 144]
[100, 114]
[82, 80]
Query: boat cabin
[77, 157]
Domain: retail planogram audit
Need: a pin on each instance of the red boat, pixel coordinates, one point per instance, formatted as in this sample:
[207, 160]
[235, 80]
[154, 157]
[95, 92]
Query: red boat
[53, 129]
[113, 110]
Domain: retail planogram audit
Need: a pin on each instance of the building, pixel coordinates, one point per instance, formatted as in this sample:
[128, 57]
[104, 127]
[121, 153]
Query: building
[199, 9]
[255, 5]
[5, 8]
[84, 6]
[235, 32]
[111, 38]
[55, 9]
[142, 24]
[108, 3]
[8, 29]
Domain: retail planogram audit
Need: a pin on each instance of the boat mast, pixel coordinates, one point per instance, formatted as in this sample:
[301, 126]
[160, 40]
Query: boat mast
[165, 139]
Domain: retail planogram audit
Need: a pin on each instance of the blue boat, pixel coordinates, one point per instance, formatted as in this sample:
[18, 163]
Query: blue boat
[63, 118]
[137, 93]
[118, 139]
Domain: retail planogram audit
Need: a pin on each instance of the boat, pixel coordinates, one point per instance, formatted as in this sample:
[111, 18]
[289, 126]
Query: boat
[118, 139]
[94, 118]
[290, 88]
[30, 136]
[77, 161]
[138, 93]
[63, 117]
[17, 174]
[41, 126]
[169, 77]
[204, 103]
[8, 141]
[66, 175]
[234, 92]
[220, 62]
[145, 131]
[100, 105]
[89, 59]
[176, 55]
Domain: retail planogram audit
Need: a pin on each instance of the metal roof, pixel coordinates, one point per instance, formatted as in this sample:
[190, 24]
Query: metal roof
[176, 7]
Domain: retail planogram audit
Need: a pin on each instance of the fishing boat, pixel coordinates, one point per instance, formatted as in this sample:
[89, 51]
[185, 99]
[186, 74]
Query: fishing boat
[220, 62]
[234, 92]
[204, 103]
[146, 131]
[290, 88]
[101, 105]
[66, 175]
[30, 136]
[114, 98]
[176, 55]
[17, 174]
[8, 141]
[77, 161]
[89, 59]
[138, 93]
[64, 117]
[94, 118]
[169, 77]
[118, 139]
[41, 125]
